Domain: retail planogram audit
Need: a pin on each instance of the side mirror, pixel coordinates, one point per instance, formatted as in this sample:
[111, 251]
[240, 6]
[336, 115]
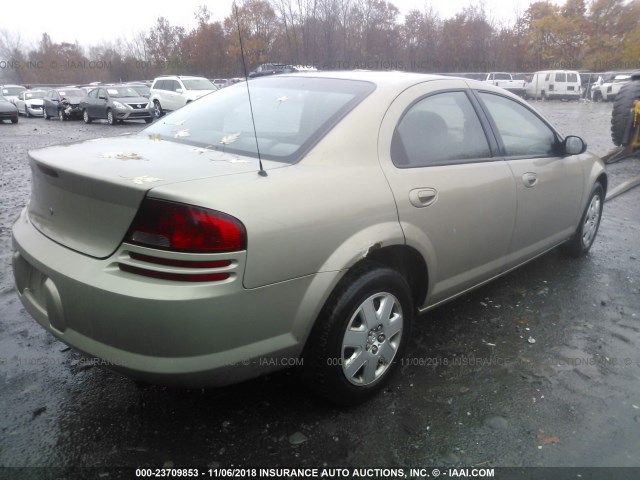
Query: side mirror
[178, 90]
[574, 145]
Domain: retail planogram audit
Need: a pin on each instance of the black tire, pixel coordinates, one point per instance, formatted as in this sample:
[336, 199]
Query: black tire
[111, 119]
[86, 117]
[148, 120]
[622, 106]
[45, 115]
[597, 96]
[543, 96]
[587, 229]
[26, 112]
[157, 109]
[14, 120]
[325, 361]
[61, 115]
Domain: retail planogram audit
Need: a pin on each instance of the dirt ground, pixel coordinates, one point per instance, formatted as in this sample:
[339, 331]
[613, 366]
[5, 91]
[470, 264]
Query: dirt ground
[475, 390]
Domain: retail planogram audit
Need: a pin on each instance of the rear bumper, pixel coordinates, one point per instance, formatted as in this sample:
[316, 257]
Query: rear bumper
[158, 331]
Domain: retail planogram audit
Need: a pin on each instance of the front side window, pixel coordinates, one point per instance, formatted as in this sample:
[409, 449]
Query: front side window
[523, 133]
[437, 130]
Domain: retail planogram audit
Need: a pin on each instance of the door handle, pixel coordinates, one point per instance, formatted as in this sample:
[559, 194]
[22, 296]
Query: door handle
[423, 197]
[529, 179]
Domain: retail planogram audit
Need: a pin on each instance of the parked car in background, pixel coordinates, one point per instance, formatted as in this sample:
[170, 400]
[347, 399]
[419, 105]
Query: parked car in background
[220, 82]
[507, 81]
[30, 102]
[11, 92]
[171, 92]
[608, 85]
[220, 262]
[63, 103]
[587, 81]
[554, 84]
[272, 69]
[8, 110]
[115, 103]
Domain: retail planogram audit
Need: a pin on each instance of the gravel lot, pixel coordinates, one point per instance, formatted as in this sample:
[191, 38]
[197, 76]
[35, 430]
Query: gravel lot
[474, 390]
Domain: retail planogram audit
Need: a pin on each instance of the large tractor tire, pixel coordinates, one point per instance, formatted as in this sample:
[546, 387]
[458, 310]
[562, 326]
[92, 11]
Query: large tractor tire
[622, 106]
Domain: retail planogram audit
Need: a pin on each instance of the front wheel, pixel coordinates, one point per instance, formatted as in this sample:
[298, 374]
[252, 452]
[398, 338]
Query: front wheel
[26, 112]
[587, 229]
[45, 114]
[148, 120]
[86, 117]
[61, 115]
[157, 109]
[111, 119]
[360, 335]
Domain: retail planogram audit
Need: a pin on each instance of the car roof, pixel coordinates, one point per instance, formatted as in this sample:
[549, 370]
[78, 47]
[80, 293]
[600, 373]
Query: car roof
[391, 78]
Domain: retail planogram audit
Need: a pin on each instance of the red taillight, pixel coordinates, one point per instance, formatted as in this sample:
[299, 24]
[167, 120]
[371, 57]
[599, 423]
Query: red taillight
[175, 226]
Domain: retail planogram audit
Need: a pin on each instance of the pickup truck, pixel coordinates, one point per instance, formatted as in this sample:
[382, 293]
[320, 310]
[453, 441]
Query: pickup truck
[507, 81]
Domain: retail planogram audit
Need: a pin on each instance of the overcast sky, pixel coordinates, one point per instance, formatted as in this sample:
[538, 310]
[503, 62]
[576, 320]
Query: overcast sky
[92, 23]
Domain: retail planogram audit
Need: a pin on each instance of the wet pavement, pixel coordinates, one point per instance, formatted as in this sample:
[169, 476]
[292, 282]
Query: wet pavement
[539, 368]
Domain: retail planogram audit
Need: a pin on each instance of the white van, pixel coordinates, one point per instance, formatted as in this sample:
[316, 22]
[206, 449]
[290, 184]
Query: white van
[547, 84]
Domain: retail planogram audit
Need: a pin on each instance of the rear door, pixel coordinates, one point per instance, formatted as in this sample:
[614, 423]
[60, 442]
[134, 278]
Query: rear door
[549, 186]
[456, 203]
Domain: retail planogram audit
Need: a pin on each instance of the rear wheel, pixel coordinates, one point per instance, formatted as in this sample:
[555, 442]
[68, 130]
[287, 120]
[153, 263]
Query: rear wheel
[360, 335]
[543, 96]
[14, 120]
[86, 117]
[587, 229]
[622, 115]
[597, 96]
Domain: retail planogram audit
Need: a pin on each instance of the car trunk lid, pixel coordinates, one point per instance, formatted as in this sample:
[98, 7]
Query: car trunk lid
[85, 195]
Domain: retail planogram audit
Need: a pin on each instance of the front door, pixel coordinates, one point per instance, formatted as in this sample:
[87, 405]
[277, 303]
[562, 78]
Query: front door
[456, 201]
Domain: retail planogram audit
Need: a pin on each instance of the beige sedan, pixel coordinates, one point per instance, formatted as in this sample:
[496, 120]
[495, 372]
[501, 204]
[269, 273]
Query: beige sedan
[305, 229]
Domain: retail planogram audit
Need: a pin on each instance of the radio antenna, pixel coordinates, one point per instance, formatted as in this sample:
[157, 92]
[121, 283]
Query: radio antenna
[262, 172]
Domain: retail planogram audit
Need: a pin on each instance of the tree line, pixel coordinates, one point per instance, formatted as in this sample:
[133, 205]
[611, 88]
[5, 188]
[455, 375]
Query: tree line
[343, 34]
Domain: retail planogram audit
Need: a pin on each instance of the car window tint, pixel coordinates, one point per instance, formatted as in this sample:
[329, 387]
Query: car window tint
[572, 77]
[523, 132]
[439, 129]
[561, 77]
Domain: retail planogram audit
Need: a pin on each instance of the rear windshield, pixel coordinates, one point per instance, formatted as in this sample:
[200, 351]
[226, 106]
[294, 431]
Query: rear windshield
[198, 84]
[291, 114]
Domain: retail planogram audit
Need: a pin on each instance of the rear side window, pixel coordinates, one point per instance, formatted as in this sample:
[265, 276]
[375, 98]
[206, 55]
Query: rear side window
[572, 77]
[438, 130]
[561, 77]
[523, 133]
